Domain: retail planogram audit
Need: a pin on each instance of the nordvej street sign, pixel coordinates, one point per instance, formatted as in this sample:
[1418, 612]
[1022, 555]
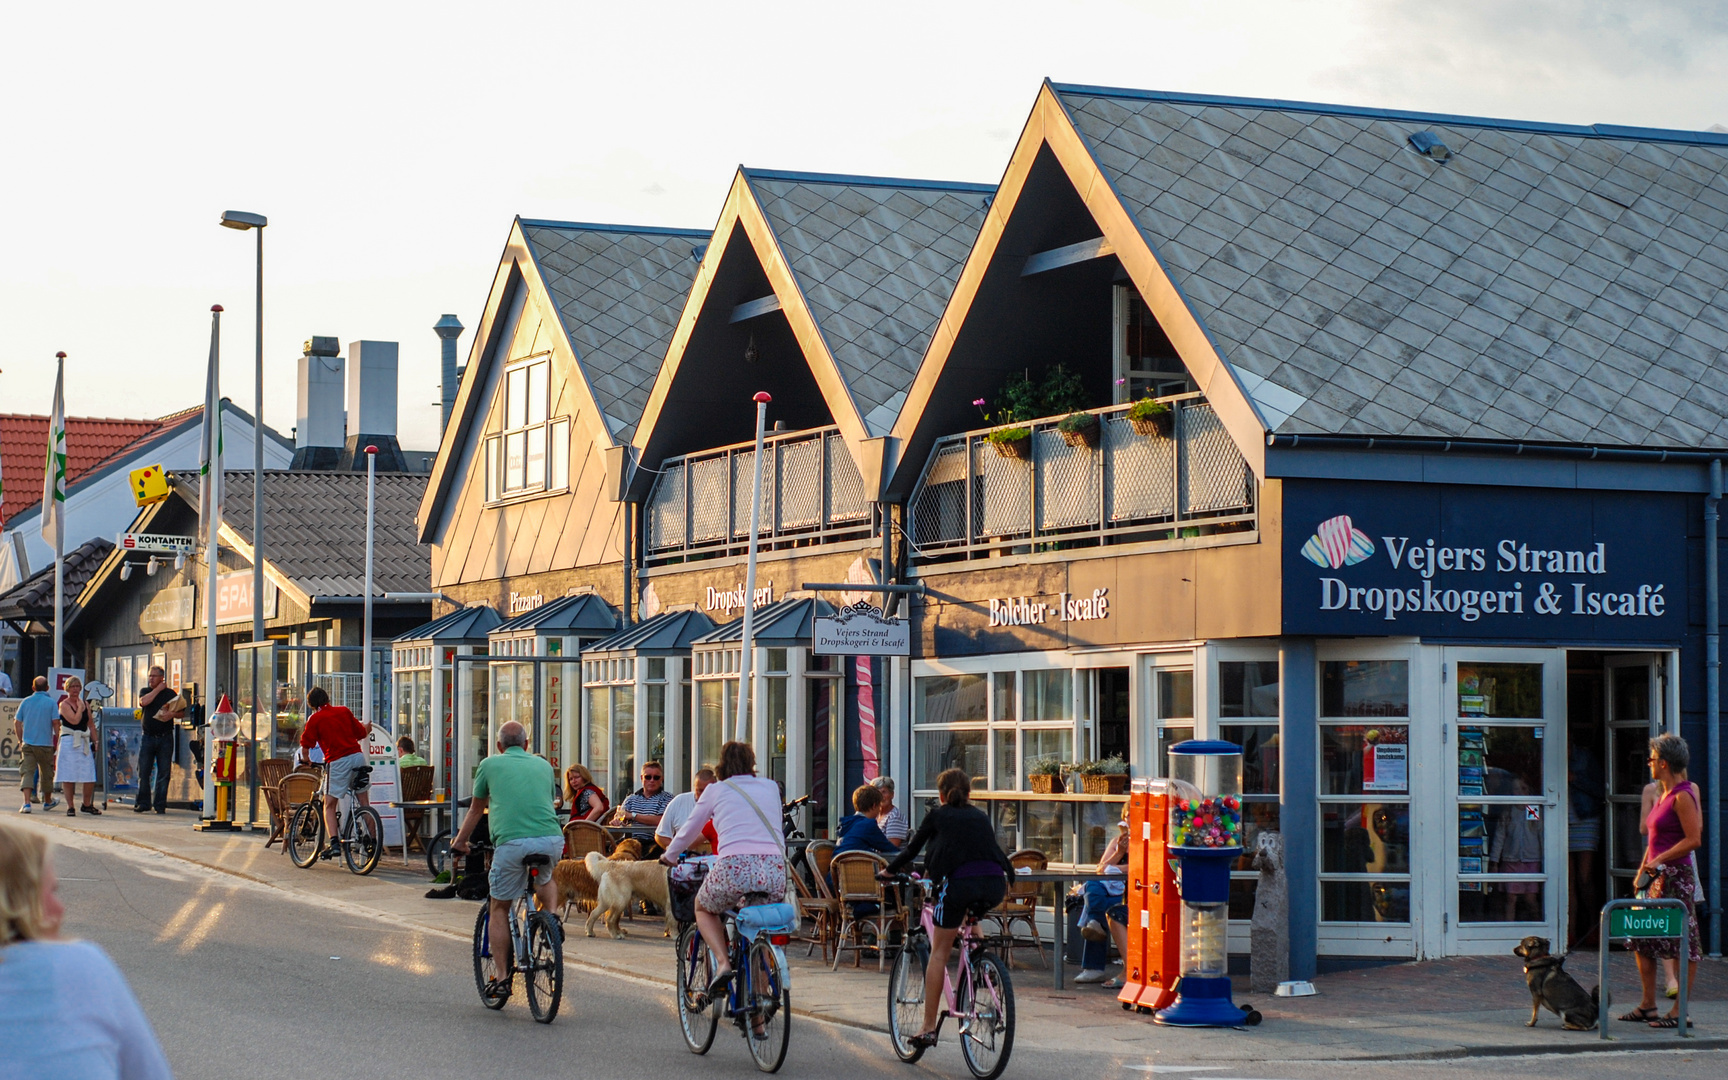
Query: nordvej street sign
[1646, 922]
[157, 543]
[860, 630]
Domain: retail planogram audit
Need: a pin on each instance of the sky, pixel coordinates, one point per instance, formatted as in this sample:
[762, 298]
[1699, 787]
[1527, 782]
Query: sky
[390, 145]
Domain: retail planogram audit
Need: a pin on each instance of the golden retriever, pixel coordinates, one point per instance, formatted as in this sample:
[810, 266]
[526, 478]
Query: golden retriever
[576, 886]
[618, 884]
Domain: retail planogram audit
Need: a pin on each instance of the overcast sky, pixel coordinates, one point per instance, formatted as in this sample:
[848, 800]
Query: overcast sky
[390, 145]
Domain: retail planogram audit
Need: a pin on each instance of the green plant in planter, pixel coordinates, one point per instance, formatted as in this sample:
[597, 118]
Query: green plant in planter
[1148, 409]
[1008, 436]
[1048, 765]
[1076, 423]
[1110, 766]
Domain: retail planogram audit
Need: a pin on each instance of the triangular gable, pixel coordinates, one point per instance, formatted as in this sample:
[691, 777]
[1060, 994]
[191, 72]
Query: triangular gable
[613, 294]
[1050, 129]
[856, 270]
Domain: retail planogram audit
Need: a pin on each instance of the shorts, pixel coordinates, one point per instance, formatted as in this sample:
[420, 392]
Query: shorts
[509, 878]
[975, 895]
[341, 772]
[733, 877]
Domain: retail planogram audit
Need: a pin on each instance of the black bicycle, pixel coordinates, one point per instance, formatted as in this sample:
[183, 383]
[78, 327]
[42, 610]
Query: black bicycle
[360, 831]
[535, 948]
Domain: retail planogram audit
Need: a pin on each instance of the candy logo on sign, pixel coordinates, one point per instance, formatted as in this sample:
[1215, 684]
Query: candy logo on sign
[1337, 542]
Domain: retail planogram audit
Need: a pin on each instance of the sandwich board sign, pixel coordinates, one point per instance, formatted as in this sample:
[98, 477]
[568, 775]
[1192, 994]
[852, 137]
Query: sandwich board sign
[860, 630]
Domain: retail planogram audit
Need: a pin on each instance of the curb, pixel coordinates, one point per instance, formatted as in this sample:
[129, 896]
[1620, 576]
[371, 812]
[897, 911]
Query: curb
[1593, 1046]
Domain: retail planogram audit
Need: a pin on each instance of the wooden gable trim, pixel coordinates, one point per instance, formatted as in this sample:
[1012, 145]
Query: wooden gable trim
[1049, 124]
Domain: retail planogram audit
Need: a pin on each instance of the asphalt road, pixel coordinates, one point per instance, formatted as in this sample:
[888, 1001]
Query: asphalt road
[245, 980]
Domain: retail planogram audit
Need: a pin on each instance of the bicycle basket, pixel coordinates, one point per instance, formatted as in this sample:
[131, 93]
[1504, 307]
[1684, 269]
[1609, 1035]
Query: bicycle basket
[683, 882]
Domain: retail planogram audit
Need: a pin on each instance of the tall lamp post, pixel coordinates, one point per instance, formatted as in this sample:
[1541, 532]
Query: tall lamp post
[240, 219]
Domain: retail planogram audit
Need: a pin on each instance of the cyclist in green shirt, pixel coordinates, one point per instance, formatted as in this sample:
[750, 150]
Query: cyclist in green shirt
[513, 790]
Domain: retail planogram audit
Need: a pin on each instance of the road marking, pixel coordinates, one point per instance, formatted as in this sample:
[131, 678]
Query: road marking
[1179, 1068]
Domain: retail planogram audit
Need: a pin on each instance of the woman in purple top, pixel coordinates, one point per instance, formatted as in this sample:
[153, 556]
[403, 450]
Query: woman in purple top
[1676, 826]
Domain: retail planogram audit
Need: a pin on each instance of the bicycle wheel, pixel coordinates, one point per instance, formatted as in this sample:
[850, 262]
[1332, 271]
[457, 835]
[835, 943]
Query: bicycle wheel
[545, 975]
[695, 969]
[305, 838]
[493, 996]
[438, 854]
[906, 999]
[987, 1017]
[768, 1010]
[364, 843]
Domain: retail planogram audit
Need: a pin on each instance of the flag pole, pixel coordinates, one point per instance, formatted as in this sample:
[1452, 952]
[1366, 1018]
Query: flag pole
[53, 498]
[744, 695]
[210, 508]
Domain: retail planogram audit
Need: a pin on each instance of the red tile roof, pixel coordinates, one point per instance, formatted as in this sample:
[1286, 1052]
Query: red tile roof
[90, 441]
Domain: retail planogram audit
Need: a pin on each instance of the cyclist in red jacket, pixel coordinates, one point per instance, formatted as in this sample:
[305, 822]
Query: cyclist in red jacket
[335, 730]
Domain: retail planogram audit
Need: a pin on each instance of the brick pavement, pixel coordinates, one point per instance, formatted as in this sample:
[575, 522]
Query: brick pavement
[1443, 1008]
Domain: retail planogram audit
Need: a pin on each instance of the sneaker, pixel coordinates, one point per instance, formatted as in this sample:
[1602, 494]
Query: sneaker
[331, 852]
[51, 803]
[1089, 975]
[1093, 930]
[25, 809]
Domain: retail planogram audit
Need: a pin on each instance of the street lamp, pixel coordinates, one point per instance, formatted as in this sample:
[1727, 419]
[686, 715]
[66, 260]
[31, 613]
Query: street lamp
[241, 220]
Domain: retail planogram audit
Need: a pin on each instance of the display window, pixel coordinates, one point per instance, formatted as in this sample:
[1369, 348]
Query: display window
[1364, 791]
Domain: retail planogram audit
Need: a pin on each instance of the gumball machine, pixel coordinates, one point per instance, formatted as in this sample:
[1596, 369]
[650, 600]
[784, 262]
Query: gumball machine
[1205, 836]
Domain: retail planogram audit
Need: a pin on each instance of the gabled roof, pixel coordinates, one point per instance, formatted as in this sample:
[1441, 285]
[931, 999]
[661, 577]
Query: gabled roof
[90, 441]
[1547, 282]
[858, 268]
[467, 625]
[782, 622]
[618, 290]
[33, 598]
[315, 529]
[669, 631]
[584, 613]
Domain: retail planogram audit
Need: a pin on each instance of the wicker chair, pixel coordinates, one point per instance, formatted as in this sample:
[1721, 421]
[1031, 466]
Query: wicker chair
[820, 855]
[581, 837]
[855, 883]
[293, 791]
[821, 909]
[415, 786]
[270, 774]
[1020, 905]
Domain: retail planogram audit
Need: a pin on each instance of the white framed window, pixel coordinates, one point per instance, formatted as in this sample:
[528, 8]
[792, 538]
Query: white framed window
[1364, 787]
[1146, 363]
[1246, 710]
[530, 453]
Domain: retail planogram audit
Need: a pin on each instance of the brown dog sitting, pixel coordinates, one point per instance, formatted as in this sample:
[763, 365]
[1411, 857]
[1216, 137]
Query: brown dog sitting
[1551, 986]
[577, 886]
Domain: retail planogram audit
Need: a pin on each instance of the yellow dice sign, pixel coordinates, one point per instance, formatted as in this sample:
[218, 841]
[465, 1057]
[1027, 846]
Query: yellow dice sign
[149, 485]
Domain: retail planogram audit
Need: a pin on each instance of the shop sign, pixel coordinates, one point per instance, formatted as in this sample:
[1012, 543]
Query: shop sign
[157, 543]
[1025, 611]
[169, 610]
[860, 630]
[724, 600]
[521, 602]
[1455, 561]
[234, 597]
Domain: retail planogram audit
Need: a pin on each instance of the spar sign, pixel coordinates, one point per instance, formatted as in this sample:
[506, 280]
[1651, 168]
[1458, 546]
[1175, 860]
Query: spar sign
[1457, 561]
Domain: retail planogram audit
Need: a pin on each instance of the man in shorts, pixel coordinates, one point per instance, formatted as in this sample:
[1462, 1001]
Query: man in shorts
[336, 731]
[513, 792]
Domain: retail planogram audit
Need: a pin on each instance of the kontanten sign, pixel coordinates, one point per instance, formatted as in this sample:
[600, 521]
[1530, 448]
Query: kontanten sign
[860, 630]
[1456, 561]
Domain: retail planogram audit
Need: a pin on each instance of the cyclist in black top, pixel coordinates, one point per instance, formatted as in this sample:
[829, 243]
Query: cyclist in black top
[970, 872]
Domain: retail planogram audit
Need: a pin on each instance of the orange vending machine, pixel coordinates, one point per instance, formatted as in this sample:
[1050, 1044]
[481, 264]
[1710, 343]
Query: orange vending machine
[1153, 963]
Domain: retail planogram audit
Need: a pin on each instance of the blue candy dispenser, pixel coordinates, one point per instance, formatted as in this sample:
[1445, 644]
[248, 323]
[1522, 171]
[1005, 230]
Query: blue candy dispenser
[1205, 830]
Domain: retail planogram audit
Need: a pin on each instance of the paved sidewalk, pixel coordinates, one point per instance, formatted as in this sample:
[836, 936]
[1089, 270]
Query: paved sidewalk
[1436, 1009]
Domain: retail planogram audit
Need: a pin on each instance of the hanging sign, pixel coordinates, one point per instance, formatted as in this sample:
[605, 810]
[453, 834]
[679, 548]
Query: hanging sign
[157, 543]
[860, 630]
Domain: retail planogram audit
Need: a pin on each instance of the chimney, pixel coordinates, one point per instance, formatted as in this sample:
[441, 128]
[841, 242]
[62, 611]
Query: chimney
[372, 407]
[448, 328]
[318, 416]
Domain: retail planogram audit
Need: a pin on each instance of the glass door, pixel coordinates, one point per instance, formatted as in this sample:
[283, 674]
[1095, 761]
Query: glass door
[1504, 763]
[1632, 709]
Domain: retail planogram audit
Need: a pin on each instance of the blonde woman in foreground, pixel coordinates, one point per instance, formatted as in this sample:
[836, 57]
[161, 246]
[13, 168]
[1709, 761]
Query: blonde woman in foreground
[65, 1009]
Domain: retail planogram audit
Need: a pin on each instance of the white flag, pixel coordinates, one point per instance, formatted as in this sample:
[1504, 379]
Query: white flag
[54, 466]
[210, 445]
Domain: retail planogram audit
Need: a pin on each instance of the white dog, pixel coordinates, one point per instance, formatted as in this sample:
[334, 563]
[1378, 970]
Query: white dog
[618, 884]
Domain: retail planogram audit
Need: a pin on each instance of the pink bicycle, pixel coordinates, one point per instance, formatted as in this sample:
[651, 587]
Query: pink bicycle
[979, 995]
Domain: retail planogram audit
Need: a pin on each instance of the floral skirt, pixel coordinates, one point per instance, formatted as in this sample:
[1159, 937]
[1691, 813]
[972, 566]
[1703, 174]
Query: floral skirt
[1675, 883]
[734, 877]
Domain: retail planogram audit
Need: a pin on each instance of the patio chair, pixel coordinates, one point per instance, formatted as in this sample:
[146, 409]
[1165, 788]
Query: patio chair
[1020, 904]
[581, 837]
[415, 786]
[819, 856]
[292, 792]
[821, 909]
[270, 774]
[855, 883]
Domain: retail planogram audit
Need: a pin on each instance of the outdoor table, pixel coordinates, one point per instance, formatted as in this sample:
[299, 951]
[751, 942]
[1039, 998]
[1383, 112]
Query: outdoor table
[1062, 877]
[437, 806]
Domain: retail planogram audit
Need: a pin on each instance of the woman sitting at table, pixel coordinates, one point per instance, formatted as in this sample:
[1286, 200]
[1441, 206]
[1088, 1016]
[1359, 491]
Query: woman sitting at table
[582, 795]
[1106, 906]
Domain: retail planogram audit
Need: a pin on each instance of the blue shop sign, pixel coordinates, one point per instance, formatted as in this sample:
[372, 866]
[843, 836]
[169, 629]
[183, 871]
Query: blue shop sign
[1477, 562]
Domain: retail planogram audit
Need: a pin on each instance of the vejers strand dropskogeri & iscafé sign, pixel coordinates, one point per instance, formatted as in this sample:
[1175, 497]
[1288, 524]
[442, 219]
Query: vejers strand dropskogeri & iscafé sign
[1475, 562]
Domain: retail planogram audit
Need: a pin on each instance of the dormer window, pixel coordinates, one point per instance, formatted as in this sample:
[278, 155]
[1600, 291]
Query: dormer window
[529, 453]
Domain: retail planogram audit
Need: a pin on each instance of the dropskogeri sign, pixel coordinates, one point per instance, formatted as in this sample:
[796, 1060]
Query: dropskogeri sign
[1444, 561]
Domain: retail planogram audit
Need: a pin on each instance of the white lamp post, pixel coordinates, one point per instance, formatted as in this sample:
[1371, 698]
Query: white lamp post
[744, 695]
[240, 219]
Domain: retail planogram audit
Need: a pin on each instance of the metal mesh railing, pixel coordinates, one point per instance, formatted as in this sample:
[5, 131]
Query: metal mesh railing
[1116, 485]
[811, 489]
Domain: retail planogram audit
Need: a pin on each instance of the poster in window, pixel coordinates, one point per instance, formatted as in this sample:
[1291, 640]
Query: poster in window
[1391, 768]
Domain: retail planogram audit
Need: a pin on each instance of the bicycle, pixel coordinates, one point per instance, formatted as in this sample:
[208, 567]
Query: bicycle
[758, 1000]
[536, 947]
[980, 995]
[360, 830]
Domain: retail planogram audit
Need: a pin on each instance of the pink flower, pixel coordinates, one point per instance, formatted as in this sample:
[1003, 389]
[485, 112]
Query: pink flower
[1119, 382]
[979, 403]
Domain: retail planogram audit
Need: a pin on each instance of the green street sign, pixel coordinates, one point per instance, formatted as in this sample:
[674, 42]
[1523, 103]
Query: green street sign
[1646, 922]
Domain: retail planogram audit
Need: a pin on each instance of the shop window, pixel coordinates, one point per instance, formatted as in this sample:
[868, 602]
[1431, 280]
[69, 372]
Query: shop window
[950, 699]
[1365, 792]
[1248, 717]
[655, 719]
[1500, 690]
[623, 741]
[939, 749]
[1172, 710]
[531, 453]
[774, 705]
[1500, 761]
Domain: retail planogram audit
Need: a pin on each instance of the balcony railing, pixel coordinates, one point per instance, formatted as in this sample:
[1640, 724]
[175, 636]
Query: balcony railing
[812, 493]
[975, 502]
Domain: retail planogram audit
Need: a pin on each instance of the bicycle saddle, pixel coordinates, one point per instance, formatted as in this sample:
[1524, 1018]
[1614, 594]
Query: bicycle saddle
[537, 860]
